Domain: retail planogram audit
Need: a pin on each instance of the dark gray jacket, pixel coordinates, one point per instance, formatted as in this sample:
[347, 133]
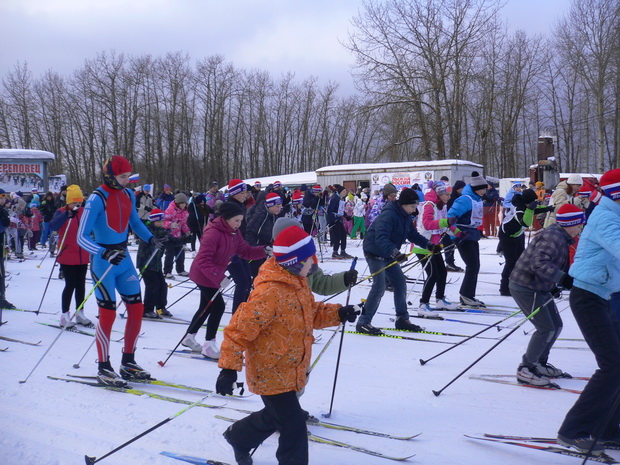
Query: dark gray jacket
[545, 261]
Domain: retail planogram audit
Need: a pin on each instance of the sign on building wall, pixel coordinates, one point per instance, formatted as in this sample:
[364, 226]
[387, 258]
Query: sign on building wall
[21, 176]
[401, 179]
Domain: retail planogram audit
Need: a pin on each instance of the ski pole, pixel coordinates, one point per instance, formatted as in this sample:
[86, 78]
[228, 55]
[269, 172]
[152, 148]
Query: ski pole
[225, 283]
[44, 257]
[70, 319]
[183, 296]
[372, 276]
[437, 393]
[179, 283]
[424, 362]
[93, 460]
[60, 249]
[344, 324]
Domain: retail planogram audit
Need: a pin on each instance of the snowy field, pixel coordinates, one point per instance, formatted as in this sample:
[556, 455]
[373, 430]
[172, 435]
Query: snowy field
[381, 385]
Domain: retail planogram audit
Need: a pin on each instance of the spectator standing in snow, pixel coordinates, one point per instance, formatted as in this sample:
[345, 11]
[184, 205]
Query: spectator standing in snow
[175, 221]
[4, 224]
[155, 286]
[540, 269]
[596, 273]
[382, 244]
[72, 258]
[433, 223]
[219, 244]
[468, 212]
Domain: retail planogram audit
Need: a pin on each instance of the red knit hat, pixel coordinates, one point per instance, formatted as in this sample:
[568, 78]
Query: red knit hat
[317, 189]
[236, 186]
[292, 247]
[156, 215]
[570, 215]
[273, 199]
[277, 184]
[610, 184]
[297, 197]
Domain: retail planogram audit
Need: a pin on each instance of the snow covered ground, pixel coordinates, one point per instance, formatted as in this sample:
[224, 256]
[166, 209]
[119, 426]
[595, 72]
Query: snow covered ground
[381, 386]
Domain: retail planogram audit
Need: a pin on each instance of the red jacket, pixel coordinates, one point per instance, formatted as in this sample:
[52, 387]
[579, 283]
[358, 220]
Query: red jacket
[217, 246]
[69, 252]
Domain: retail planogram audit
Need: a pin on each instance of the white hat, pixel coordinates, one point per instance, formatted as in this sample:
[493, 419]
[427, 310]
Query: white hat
[574, 179]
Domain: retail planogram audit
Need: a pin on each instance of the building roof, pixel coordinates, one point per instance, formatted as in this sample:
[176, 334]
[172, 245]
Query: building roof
[26, 154]
[387, 167]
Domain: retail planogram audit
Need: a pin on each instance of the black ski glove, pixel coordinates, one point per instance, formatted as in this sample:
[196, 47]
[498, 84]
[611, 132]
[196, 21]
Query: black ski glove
[350, 277]
[566, 282]
[226, 382]
[532, 205]
[434, 248]
[115, 257]
[159, 242]
[397, 256]
[349, 313]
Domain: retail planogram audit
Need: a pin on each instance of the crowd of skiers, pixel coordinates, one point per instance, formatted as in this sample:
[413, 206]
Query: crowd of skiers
[262, 239]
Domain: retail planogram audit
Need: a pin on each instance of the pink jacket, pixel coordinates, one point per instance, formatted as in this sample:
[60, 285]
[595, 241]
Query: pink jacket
[428, 221]
[217, 246]
[175, 216]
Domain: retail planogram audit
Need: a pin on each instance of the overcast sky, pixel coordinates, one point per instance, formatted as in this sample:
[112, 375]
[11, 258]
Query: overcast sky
[301, 36]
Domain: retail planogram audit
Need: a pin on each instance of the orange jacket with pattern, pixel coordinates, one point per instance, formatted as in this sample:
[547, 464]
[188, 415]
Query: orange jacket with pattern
[274, 329]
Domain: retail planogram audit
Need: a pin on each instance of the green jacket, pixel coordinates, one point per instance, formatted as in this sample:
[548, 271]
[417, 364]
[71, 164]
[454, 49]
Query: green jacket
[324, 284]
[145, 250]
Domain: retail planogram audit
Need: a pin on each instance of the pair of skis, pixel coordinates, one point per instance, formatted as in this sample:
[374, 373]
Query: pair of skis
[91, 381]
[542, 444]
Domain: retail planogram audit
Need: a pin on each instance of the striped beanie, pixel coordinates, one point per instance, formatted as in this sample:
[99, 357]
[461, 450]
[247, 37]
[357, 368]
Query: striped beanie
[297, 197]
[292, 247]
[570, 215]
[610, 184]
[317, 189]
[236, 186]
[258, 185]
[156, 215]
[273, 199]
[277, 184]
[584, 192]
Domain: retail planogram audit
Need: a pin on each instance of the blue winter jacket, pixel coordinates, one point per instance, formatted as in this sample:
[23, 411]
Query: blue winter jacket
[508, 199]
[390, 230]
[597, 262]
[461, 208]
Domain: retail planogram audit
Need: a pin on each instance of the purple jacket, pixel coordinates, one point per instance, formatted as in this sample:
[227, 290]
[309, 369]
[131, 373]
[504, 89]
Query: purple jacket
[217, 246]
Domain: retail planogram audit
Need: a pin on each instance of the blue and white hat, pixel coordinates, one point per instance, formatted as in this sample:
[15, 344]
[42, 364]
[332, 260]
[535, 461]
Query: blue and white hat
[570, 215]
[272, 199]
[236, 186]
[610, 184]
[156, 215]
[292, 247]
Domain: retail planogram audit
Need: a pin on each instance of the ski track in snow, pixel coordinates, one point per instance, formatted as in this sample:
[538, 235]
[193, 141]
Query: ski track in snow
[381, 386]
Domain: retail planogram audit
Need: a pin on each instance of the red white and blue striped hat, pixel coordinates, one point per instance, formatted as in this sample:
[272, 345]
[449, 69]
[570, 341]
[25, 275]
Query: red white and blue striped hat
[297, 197]
[570, 215]
[610, 184]
[584, 192]
[317, 189]
[236, 186]
[258, 185]
[273, 199]
[156, 215]
[293, 245]
[277, 184]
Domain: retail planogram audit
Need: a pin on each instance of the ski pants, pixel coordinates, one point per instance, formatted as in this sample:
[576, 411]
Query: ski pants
[513, 247]
[436, 273]
[338, 236]
[75, 282]
[358, 224]
[174, 253]
[470, 253]
[399, 284]
[282, 413]
[155, 290]
[592, 414]
[547, 321]
[214, 312]
[241, 274]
